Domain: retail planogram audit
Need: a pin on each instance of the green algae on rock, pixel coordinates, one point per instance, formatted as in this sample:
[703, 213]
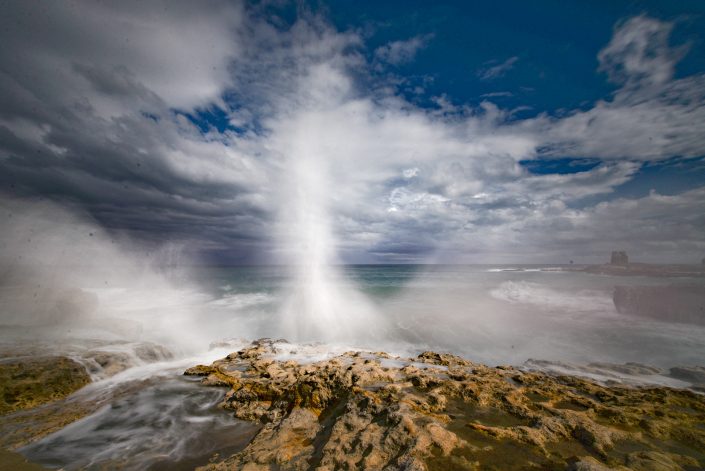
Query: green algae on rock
[29, 382]
[362, 410]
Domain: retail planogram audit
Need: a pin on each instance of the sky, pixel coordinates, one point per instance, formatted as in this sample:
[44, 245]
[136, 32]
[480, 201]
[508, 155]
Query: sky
[412, 132]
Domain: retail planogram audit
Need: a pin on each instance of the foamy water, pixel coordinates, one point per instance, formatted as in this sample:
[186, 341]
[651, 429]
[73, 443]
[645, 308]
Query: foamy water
[151, 417]
[167, 421]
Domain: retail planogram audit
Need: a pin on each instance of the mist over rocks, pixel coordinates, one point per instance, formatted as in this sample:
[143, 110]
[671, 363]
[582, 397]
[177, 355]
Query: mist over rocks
[373, 411]
[673, 303]
[113, 359]
[693, 374]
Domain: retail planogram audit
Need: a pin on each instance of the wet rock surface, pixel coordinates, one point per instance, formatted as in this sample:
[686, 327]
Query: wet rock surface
[10, 461]
[36, 397]
[32, 381]
[363, 410]
[20, 428]
[41, 393]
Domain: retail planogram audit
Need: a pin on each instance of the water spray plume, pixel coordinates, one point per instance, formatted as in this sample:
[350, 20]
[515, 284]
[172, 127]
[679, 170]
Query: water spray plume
[321, 305]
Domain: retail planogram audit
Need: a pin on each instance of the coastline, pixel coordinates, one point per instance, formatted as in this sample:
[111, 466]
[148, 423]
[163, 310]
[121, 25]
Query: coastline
[642, 269]
[372, 410]
[362, 410]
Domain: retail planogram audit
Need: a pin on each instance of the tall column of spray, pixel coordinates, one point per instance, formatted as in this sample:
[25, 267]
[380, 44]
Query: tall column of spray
[321, 305]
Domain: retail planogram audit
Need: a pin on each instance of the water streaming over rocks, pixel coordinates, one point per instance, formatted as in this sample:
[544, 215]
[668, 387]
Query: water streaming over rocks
[140, 413]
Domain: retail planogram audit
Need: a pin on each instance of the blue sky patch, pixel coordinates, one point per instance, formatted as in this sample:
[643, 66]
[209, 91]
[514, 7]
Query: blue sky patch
[558, 166]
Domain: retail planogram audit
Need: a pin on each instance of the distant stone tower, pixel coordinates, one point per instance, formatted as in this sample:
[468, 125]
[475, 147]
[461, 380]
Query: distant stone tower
[619, 258]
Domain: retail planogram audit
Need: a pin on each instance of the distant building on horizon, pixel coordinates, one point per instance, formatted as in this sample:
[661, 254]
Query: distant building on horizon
[619, 258]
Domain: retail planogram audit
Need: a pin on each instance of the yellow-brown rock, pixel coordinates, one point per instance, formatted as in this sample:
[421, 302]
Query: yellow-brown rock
[370, 411]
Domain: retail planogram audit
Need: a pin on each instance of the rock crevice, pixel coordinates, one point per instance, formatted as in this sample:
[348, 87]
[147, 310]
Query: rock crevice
[363, 410]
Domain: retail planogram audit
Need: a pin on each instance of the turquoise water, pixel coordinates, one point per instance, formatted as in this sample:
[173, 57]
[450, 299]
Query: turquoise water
[535, 317]
[489, 313]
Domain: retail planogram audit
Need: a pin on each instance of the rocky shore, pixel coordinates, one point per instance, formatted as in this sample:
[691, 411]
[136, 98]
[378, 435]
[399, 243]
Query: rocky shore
[363, 410]
[643, 269]
[40, 392]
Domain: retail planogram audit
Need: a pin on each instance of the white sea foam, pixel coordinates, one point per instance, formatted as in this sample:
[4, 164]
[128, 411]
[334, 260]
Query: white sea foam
[606, 373]
[525, 292]
[144, 422]
[242, 300]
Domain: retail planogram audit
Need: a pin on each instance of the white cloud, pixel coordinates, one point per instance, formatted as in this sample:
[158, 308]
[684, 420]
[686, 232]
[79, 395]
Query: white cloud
[410, 172]
[499, 70]
[400, 52]
[497, 94]
[653, 115]
[179, 51]
[639, 54]
[389, 177]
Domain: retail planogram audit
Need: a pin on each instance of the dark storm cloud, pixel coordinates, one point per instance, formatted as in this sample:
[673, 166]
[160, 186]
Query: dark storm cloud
[95, 101]
[88, 94]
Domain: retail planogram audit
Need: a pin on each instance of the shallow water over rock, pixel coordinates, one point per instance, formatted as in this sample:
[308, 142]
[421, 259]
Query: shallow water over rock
[170, 424]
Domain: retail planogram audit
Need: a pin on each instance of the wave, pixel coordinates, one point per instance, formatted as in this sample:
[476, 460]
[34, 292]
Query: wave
[243, 300]
[632, 374]
[525, 292]
[525, 270]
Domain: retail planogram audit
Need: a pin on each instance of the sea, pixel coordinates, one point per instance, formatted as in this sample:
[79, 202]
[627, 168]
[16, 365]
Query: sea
[551, 318]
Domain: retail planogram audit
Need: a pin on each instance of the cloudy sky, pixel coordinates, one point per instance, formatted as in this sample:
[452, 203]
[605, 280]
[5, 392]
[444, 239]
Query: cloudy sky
[405, 131]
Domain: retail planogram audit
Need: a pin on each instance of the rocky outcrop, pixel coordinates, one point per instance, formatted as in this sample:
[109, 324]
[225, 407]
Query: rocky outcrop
[674, 303]
[30, 382]
[105, 363]
[362, 410]
[623, 267]
[26, 426]
[39, 391]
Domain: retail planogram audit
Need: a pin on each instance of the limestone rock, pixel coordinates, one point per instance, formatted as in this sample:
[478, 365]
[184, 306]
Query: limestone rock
[370, 411]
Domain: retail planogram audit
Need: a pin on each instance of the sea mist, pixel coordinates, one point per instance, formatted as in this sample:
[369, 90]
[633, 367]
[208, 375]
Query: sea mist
[320, 304]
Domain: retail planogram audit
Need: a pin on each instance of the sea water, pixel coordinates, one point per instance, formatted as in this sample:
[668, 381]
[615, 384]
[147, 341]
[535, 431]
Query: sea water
[535, 317]
[487, 313]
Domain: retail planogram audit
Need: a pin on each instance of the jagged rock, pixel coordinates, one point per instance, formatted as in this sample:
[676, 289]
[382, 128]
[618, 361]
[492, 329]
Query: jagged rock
[658, 461]
[588, 463]
[370, 411]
